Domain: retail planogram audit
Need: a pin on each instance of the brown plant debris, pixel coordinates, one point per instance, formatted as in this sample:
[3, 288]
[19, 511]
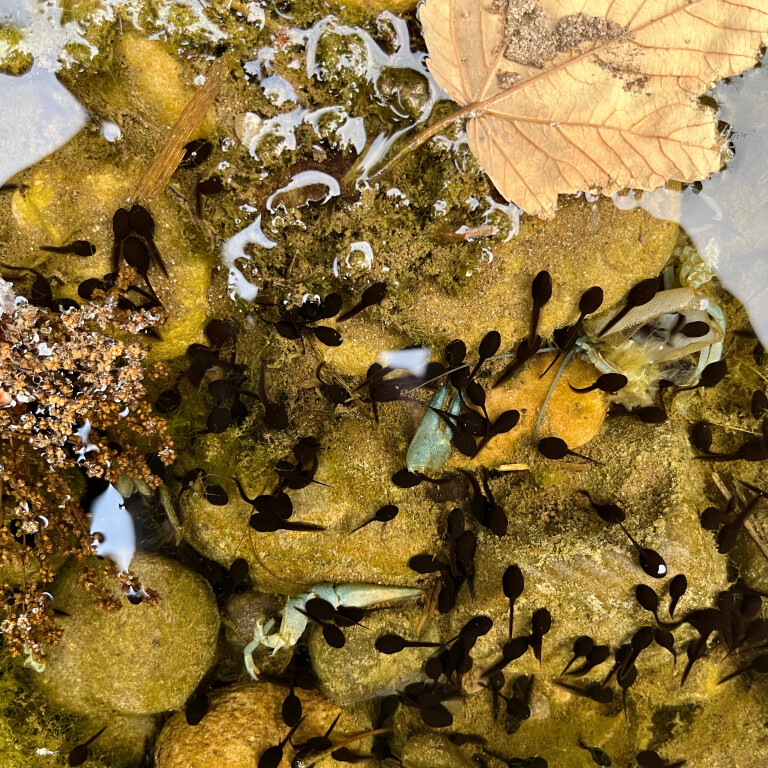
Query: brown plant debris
[172, 152]
[567, 96]
[73, 402]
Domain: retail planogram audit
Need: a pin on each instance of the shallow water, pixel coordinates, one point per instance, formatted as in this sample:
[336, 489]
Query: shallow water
[306, 336]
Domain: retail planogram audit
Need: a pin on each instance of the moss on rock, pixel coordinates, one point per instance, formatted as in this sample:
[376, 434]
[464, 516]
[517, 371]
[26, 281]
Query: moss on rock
[141, 659]
[244, 720]
[357, 460]
[358, 671]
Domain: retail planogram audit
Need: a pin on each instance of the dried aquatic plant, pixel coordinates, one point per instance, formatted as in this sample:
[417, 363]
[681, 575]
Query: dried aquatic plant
[72, 398]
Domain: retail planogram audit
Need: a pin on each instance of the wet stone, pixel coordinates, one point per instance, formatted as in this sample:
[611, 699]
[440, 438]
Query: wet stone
[579, 567]
[357, 459]
[358, 671]
[138, 660]
[586, 244]
[244, 720]
[433, 750]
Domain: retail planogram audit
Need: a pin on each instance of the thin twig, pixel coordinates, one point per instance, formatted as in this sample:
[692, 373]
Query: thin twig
[171, 153]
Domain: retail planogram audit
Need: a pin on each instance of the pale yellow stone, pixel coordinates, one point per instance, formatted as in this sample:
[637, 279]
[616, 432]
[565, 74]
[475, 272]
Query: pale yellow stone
[572, 416]
[244, 720]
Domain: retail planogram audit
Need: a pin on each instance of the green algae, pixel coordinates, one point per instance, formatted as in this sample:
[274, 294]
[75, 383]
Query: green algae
[140, 659]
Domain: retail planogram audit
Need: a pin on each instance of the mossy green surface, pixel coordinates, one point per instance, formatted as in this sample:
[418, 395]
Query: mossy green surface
[141, 659]
[357, 459]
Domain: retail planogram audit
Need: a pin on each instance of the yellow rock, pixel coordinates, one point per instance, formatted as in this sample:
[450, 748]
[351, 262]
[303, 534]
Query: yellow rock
[156, 75]
[244, 720]
[574, 417]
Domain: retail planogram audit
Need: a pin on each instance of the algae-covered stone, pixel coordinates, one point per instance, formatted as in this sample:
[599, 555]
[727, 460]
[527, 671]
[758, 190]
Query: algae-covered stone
[433, 750]
[33, 734]
[13, 60]
[356, 462]
[244, 720]
[706, 724]
[586, 244]
[358, 671]
[126, 739]
[138, 660]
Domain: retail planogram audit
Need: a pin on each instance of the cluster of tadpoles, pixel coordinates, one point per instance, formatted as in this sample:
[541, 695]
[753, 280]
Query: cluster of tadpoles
[274, 510]
[459, 568]
[226, 382]
[134, 243]
[735, 617]
[444, 669]
[513, 584]
[297, 322]
[332, 620]
[311, 751]
[728, 522]
[752, 449]
[472, 428]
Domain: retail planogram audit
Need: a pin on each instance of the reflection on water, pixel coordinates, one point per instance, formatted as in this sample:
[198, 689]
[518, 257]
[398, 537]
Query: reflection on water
[38, 116]
[728, 218]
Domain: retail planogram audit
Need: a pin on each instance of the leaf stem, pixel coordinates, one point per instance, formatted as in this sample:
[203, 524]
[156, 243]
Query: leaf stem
[420, 138]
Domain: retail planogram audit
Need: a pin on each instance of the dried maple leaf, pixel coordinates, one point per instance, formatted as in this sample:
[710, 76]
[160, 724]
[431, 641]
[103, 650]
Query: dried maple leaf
[565, 96]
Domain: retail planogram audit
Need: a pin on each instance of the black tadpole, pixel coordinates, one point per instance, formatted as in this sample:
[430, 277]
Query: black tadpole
[76, 247]
[555, 448]
[291, 707]
[513, 583]
[608, 513]
[79, 754]
[524, 352]
[759, 664]
[677, 588]
[372, 295]
[650, 759]
[581, 647]
[590, 301]
[650, 560]
[610, 383]
[541, 623]
[594, 691]
[272, 756]
[695, 650]
[212, 186]
[638, 295]
[392, 643]
[541, 293]
[383, 515]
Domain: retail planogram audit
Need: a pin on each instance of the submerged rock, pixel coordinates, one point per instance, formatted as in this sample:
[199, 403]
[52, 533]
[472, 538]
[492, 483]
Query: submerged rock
[244, 720]
[572, 416]
[356, 462]
[358, 671]
[141, 659]
[433, 750]
[583, 570]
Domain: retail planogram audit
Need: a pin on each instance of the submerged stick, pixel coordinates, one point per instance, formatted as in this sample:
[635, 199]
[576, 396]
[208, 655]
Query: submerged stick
[171, 153]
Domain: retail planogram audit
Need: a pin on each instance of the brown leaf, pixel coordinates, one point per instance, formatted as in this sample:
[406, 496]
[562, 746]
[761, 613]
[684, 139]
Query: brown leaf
[565, 96]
